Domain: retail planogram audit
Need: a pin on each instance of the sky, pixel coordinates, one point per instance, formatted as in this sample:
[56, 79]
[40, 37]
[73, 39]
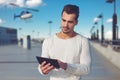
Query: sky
[50, 10]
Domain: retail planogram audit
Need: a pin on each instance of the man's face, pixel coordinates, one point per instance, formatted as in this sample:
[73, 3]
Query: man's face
[68, 22]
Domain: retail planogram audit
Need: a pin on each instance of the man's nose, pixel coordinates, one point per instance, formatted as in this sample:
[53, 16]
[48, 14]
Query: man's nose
[66, 24]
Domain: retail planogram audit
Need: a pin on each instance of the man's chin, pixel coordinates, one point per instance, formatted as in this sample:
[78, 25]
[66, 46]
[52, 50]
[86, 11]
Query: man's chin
[66, 32]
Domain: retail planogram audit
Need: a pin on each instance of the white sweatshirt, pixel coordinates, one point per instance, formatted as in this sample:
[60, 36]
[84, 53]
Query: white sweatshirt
[73, 51]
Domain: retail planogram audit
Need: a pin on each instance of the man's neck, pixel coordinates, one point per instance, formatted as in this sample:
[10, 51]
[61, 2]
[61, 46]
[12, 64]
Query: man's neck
[66, 35]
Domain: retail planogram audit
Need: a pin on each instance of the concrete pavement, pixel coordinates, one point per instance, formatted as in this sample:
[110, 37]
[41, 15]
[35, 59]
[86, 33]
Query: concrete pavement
[17, 63]
[102, 68]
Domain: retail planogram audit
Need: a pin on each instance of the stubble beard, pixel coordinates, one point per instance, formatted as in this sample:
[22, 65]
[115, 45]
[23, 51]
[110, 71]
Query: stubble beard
[65, 32]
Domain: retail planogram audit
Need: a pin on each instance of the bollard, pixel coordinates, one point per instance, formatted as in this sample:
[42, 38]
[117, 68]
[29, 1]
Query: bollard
[27, 42]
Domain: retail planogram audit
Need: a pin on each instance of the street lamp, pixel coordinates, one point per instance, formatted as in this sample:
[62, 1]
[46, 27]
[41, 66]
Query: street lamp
[92, 34]
[20, 32]
[97, 31]
[38, 34]
[50, 30]
[102, 27]
[33, 33]
[114, 36]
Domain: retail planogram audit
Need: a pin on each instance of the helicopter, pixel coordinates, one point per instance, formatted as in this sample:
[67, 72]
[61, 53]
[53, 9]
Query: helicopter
[24, 14]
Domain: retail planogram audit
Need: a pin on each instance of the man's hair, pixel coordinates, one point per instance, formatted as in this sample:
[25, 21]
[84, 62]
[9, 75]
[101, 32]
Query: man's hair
[71, 9]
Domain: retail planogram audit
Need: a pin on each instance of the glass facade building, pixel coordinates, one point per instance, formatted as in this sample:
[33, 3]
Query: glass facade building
[8, 35]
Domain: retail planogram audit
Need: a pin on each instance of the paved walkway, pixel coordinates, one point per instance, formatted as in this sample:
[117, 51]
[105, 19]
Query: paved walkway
[17, 63]
[102, 69]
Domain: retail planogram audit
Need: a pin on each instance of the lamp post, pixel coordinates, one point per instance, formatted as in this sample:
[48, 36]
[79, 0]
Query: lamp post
[102, 32]
[20, 32]
[92, 34]
[97, 31]
[38, 34]
[102, 27]
[50, 30]
[33, 33]
[114, 24]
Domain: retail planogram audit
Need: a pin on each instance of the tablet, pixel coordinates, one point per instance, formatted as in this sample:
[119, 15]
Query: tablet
[53, 62]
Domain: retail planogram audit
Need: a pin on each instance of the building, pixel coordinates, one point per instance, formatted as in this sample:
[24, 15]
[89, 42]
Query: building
[8, 35]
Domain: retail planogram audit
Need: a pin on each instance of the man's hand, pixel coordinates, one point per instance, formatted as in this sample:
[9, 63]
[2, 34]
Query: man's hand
[62, 65]
[46, 68]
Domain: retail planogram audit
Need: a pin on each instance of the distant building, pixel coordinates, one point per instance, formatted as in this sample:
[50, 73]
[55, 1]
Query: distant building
[8, 35]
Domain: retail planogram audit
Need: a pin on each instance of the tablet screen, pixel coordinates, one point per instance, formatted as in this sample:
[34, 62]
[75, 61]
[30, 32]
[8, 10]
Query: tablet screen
[53, 62]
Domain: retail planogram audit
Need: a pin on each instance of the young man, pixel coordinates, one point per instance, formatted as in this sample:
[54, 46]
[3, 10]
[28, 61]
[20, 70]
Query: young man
[70, 49]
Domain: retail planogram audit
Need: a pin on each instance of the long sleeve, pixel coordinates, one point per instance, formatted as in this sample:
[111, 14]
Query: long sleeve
[74, 51]
[85, 61]
[44, 53]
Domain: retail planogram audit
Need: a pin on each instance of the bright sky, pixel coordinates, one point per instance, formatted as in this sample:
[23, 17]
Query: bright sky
[50, 10]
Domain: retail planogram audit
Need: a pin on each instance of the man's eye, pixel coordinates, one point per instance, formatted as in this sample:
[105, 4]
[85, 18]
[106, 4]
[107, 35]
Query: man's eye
[63, 20]
[70, 21]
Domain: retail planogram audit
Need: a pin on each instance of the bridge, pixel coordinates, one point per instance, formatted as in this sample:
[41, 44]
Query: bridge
[17, 63]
